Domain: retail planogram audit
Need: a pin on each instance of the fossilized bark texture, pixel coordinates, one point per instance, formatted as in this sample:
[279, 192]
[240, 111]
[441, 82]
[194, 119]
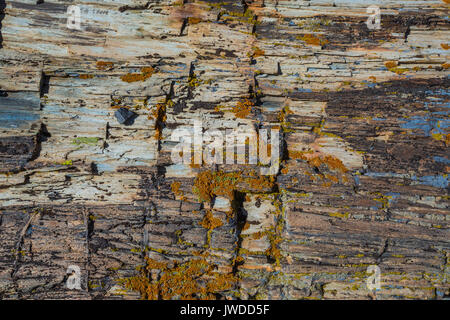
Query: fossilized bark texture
[364, 122]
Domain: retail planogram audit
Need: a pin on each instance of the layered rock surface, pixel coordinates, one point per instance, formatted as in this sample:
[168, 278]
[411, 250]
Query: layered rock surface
[363, 177]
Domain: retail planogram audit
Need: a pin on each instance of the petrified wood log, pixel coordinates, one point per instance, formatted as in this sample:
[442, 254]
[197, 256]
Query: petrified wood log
[364, 159]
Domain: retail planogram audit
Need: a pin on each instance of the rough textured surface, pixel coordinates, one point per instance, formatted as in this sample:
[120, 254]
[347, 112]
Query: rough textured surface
[363, 179]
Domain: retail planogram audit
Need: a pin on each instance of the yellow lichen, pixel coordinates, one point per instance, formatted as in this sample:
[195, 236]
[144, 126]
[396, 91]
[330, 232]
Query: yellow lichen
[193, 81]
[398, 70]
[339, 215]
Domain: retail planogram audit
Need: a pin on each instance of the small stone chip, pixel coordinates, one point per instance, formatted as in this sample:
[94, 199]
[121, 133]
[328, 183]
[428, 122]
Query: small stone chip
[124, 116]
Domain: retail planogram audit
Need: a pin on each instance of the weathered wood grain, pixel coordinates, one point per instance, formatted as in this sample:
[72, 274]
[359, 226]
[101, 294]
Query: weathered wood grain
[364, 131]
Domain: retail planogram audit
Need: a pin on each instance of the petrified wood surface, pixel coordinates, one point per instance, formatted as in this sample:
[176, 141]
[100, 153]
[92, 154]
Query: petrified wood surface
[363, 179]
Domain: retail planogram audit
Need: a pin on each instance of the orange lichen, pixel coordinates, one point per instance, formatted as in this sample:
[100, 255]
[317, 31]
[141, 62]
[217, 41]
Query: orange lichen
[159, 113]
[332, 162]
[194, 20]
[175, 186]
[209, 222]
[104, 65]
[390, 64]
[332, 178]
[243, 108]
[194, 279]
[209, 184]
[313, 40]
[86, 76]
[256, 52]
[238, 260]
[116, 103]
[259, 183]
[446, 66]
[258, 235]
[146, 72]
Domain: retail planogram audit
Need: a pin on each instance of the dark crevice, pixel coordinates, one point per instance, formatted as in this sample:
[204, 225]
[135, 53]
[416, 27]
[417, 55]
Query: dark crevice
[383, 250]
[241, 219]
[41, 136]
[183, 26]
[138, 7]
[44, 85]
[89, 222]
[2, 16]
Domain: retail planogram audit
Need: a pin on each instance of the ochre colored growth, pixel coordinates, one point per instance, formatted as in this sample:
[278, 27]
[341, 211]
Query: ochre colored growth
[257, 52]
[194, 20]
[273, 251]
[209, 222]
[195, 279]
[209, 184]
[193, 81]
[86, 76]
[260, 183]
[104, 65]
[146, 72]
[243, 108]
[390, 64]
[175, 186]
[313, 40]
[160, 115]
[315, 161]
[398, 70]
